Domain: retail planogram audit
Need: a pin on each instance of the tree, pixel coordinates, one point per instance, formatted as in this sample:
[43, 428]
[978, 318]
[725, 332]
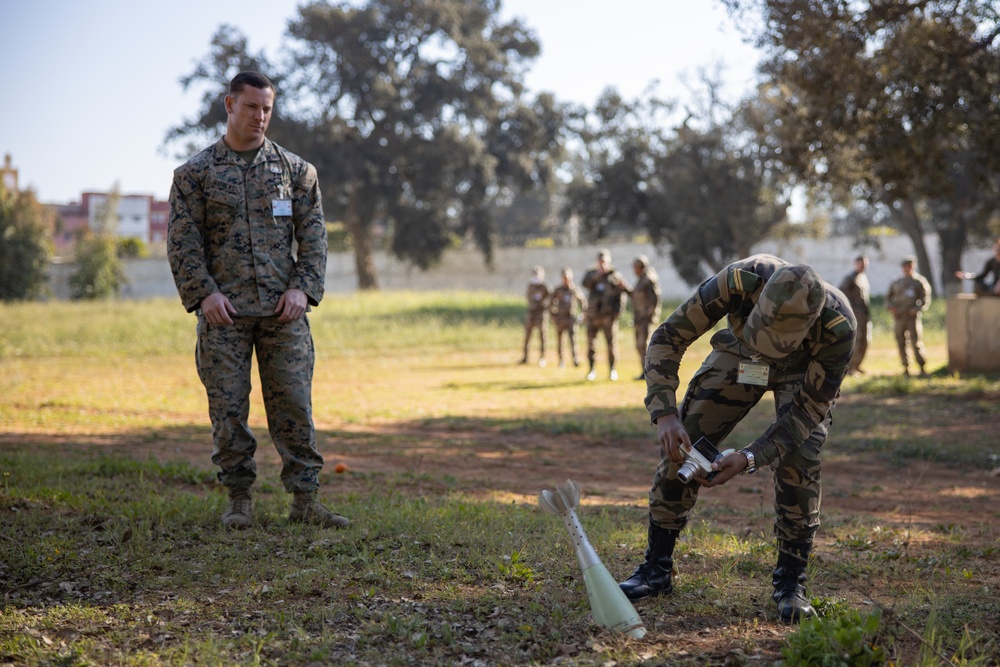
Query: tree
[707, 189]
[99, 271]
[24, 245]
[412, 112]
[892, 101]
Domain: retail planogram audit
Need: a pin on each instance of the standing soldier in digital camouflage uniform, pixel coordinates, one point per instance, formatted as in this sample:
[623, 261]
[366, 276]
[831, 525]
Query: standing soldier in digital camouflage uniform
[606, 290]
[856, 288]
[645, 306]
[567, 307]
[537, 316]
[909, 295]
[788, 333]
[236, 209]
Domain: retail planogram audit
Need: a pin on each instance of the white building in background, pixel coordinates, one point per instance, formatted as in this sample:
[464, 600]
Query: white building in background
[133, 214]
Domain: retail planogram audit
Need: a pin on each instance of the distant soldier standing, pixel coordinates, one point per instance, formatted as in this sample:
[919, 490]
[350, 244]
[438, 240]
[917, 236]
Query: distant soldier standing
[567, 308]
[236, 210]
[987, 281]
[908, 297]
[645, 306]
[856, 288]
[538, 313]
[605, 298]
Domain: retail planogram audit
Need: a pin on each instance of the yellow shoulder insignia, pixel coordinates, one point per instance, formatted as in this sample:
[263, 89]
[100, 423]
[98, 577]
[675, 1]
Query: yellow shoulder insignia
[835, 323]
[743, 282]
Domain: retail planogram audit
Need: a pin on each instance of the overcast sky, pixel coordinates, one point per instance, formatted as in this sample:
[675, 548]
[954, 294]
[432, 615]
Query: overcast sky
[92, 88]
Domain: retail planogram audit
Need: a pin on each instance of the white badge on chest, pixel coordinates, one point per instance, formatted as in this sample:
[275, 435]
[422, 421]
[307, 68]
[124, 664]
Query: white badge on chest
[753, 373]
[281, 206]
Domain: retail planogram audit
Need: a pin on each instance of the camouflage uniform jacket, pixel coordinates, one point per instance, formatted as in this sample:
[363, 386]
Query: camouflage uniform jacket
[908, 293]
[646, 297]
[606, 295]
[567, 303]
[822, 359]
[223, 235]
[538, 300]
[856, 288]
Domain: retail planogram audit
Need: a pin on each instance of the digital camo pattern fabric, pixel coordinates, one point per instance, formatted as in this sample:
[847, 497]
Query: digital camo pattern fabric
[285, 356]
[223, 234]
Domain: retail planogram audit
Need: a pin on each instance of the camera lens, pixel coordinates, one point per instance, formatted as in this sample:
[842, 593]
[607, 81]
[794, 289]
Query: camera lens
[687, 472]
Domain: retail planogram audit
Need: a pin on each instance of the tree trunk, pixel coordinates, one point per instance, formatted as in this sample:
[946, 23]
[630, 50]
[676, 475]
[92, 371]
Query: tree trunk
[952, 246]
[364, 256]
[908, 219]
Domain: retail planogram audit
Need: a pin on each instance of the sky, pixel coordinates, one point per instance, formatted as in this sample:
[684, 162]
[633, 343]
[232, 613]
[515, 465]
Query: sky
[92, 88]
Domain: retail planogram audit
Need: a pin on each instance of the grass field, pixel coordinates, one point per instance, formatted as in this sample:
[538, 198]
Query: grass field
[111, 551]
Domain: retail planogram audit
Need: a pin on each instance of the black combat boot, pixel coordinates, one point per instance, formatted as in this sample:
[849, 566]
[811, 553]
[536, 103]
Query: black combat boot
[653, 576]
[789, 581]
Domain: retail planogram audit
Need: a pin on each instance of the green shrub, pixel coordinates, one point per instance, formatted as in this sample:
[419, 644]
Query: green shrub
[845, 638]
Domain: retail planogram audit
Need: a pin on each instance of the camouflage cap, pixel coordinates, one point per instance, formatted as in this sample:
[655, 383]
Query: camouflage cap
[791, 301]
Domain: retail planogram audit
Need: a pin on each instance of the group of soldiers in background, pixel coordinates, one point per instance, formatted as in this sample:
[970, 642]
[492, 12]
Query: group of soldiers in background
[600, 309]
[908, 297]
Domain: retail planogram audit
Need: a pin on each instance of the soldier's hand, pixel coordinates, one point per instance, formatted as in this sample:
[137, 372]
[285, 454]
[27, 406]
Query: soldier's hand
[217, 309]
[292, 305]
[672, 436]
[730, 466]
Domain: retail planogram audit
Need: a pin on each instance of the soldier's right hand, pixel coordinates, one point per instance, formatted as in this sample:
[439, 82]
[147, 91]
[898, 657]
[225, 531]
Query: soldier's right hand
[672, 436]
[217, 309]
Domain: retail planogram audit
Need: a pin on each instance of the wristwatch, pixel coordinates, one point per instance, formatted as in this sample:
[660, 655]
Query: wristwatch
[751, 462]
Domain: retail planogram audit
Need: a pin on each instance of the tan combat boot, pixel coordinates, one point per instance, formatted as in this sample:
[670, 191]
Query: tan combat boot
[306, 508]
[238, 511]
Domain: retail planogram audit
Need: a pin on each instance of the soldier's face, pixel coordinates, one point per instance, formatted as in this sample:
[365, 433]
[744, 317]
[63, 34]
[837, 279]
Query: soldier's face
[249, 115]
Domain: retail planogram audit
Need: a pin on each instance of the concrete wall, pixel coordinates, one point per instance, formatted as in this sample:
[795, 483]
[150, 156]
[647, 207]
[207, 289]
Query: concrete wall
[464, 269]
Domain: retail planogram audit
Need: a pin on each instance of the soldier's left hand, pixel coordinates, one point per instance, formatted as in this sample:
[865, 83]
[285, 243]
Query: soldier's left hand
[730, 466]
[292, 305]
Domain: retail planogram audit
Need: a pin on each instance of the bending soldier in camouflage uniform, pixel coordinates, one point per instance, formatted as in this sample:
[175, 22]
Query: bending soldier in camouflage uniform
[538, 313]
[788, 333]
[236, 208]
[909, 295]
[857, 290]
[567, 307]
[645, 306]
[605, 298]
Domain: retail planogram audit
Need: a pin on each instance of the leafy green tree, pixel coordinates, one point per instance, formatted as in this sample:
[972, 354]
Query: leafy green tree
[894, 102]
[707, 189]
[25, 249]
[99, 272]
[412, 112]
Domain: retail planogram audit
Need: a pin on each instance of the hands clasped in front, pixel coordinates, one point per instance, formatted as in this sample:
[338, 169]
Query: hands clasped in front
[217, 308]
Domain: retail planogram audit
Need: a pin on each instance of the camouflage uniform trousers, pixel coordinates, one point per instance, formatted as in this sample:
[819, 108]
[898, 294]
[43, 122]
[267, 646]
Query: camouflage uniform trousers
[609, 325]
[714, 404]
[910, 327]
[285, 357]
[566, 325]
[642, 332]
[538, 321]
[861, 337]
